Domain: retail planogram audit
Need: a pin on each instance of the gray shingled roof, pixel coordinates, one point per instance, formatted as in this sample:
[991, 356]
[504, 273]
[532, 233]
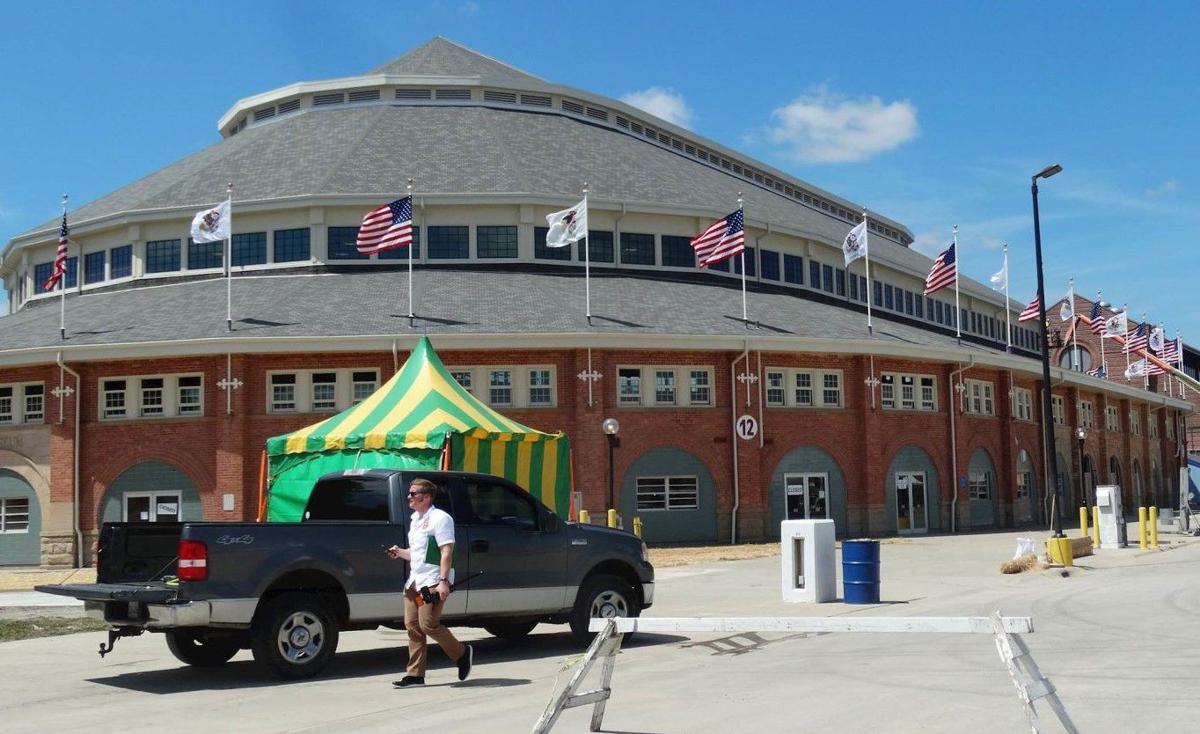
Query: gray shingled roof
[371, 151]
[447, 301]
[443, 57]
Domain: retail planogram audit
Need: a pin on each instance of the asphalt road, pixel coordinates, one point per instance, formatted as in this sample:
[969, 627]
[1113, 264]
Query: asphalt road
[1117, 636]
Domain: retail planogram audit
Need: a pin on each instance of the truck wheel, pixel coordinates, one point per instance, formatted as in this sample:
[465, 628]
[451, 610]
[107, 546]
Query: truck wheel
[295, 636]
[509, 630]
[602, 596]
[201, 651]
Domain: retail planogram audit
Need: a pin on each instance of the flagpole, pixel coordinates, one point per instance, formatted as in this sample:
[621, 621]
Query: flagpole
[229, 260]
[1179, 358]
[745, 318]
[411, 317]
[1125, 346]
[62, 283]
[1145, 360]
[1075, 361]
[957, 267]
[1100, 312]
[587, 260]
[1007, 307]
[870, 285]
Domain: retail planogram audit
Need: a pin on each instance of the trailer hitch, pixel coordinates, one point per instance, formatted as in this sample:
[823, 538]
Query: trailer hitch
[114, 635]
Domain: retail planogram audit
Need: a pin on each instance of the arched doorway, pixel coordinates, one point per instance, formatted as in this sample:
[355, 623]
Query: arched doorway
[152, 491]
[674, 494]
[1156, 485]
[807, 483]
[20, 522]
[912, 492]
[1139, 488]
[981, 488]
[1025, 508]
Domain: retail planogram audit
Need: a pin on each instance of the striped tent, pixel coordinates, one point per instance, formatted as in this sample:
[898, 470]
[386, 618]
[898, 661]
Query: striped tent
[420, 419]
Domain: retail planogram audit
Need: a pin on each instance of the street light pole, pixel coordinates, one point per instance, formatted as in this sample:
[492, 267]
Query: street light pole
[1081, 436]
[610, 426]
[1047, 411]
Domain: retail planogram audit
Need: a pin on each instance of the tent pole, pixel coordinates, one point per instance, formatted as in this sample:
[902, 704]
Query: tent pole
[262, 485]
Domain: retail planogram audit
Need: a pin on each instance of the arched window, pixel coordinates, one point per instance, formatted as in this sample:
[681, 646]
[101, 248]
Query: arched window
[1075, 358]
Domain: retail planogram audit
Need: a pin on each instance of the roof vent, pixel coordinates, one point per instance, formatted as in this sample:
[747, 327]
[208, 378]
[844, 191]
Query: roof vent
[636, 127]
[290, 106]
[412, 94]
[320, 100]
[570, 106]
[264, 114]
[364, 95]
[598, 114]
[622, 122]
[462, 94]
[535, 100]
[676, 143]
[490, 95]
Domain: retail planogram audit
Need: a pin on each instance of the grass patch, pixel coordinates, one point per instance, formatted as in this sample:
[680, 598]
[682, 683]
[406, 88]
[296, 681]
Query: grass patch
[25, 629]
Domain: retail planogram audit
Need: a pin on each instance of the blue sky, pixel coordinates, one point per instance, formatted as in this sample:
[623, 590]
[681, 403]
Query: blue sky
[932, 113]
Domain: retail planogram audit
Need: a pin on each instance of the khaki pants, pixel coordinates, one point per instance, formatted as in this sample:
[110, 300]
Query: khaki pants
[425, 621]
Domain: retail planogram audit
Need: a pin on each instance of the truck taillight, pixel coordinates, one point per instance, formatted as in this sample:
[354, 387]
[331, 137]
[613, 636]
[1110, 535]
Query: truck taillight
[193, 560]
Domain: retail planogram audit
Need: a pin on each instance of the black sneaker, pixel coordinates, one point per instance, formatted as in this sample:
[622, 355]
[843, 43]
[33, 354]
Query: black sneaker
[410, 680]
[464, 663]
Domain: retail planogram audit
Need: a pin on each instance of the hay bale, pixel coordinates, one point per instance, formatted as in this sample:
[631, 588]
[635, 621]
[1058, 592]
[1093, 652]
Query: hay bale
[1027, 562]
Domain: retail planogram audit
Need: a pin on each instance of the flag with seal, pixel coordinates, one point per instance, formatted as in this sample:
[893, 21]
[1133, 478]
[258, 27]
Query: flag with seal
[1116, 326]
[212, 225]
[855, 244]
[567, 226]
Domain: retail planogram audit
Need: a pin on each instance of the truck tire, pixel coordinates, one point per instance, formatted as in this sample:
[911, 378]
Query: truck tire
[602, 596]
[510, 630]
[295, 636]
[201, 651]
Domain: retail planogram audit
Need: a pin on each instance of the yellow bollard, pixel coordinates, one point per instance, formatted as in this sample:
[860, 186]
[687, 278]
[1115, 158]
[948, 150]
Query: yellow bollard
[612, 518]
[1060, 552]
[1153, 527]
[1142, 528]
[584, 518]
[1096, 528]
[637, 526]
[1083, 526]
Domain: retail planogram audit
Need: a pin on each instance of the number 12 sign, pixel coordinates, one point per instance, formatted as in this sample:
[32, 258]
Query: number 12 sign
[746, 427]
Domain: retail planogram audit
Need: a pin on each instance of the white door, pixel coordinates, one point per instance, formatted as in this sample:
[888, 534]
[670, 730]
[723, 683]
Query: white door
[912, 514]
[806, 496]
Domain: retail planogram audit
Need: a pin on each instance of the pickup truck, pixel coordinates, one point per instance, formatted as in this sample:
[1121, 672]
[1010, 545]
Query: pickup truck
[286, 590]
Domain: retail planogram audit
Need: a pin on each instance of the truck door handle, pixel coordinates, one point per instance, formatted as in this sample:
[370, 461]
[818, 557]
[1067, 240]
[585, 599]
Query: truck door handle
[479, 546]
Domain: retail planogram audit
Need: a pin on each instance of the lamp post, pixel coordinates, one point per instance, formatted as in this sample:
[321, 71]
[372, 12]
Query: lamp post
[1047, 412]
[610, 426]
[1081, 436]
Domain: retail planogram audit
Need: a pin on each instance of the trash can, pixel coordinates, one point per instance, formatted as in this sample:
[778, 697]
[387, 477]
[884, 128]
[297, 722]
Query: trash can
[860, 571]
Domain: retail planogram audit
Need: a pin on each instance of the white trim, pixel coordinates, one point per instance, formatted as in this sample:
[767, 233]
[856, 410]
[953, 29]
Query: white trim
[153, 496]
[302, 395]
[19, 402]
[133, 397]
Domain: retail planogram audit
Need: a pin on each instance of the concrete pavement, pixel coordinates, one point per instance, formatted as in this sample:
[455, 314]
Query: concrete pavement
[1117, 637]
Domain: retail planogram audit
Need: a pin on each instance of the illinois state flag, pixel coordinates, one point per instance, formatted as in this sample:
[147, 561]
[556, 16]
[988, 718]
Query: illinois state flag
[213, 224]
[1116, 326]
[855, 244]
[567, 226]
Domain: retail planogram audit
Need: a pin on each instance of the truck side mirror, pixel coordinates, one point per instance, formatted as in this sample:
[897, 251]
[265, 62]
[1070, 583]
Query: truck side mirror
[551, 523]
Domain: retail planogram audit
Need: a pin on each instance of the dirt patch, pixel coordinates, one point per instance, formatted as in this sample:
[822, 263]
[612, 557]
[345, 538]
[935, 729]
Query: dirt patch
[25, 579]
[47, 626]
[684, 556]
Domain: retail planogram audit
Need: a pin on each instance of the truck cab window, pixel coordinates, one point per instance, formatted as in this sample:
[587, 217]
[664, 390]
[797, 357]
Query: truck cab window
[499, 504]
[349, 498]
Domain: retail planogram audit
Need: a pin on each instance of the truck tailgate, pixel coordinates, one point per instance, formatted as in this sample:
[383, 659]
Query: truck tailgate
[141, 593]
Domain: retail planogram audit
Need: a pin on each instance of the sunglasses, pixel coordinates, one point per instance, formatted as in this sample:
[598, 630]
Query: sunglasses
[416, 494]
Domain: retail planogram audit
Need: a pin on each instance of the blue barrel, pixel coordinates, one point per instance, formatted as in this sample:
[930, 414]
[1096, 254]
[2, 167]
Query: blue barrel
[860, 571]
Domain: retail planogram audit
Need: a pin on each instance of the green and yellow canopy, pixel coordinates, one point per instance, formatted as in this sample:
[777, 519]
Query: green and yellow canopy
[405, 425]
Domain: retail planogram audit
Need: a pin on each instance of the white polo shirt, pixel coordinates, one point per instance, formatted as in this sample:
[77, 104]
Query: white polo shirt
[426, 535]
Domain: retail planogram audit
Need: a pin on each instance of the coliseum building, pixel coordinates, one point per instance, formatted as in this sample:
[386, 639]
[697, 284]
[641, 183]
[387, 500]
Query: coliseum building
[150, 409]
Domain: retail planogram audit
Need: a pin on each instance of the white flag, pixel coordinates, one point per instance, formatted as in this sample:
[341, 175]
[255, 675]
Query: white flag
[213, 224]
[1137, 369]
[1116, 326]
[567, 226]
[1157, 339]
[1067, 311]
[855, 244]
[1000, 279]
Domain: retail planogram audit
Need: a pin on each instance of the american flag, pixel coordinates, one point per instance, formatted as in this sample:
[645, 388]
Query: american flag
[60, 258]
[1152, 368]
[1170, 353]
[1136, 338]
[1098, 372]
[943, 273]
[723, 239]
[1096, 319]
[386, 227]
[1032, 311]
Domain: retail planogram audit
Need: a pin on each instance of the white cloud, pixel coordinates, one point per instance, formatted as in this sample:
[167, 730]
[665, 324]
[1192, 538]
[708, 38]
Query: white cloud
[824, 127]
[661, 102]
[469, 8]
[1169, 186]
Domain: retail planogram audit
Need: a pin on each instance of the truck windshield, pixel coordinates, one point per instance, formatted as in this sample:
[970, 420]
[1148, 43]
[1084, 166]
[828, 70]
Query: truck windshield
[349, 498]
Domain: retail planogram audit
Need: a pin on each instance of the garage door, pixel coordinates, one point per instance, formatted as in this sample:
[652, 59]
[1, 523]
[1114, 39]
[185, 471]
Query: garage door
[20, 522]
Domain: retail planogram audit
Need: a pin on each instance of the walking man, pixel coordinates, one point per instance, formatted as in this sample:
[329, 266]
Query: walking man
[430, 555]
